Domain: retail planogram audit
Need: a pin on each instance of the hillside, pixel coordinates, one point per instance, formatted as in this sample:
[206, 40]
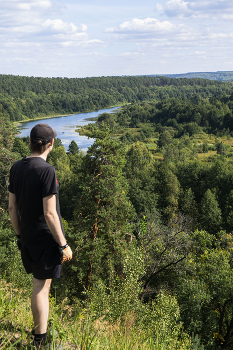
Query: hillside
[24, 98]
[217, 76]
[148, 207]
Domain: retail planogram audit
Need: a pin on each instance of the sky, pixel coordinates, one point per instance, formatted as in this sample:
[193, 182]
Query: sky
[72, 38]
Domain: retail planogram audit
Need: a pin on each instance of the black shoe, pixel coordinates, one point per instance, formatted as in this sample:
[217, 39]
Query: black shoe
[41, 344]
[46, 343]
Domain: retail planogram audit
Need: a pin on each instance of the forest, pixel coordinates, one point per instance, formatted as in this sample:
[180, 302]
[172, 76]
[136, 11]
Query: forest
[148, 212]
[24, 98]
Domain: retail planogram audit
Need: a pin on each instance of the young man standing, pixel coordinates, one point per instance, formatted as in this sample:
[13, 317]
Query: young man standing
[35, 214]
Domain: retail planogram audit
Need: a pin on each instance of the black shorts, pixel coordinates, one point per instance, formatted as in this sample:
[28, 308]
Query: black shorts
[42, 263]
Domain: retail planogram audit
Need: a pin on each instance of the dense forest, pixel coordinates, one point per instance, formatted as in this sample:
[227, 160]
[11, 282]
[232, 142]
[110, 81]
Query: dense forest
[148, 210]
[28, 97]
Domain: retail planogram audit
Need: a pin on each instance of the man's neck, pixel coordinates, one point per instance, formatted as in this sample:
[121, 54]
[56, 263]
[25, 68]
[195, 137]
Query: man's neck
[42, 155]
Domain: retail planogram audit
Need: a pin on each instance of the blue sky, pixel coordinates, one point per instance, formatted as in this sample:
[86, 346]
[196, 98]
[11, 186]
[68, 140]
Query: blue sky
[70, 38]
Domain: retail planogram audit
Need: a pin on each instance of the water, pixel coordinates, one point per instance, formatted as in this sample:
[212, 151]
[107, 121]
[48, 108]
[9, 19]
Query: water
[66, 126]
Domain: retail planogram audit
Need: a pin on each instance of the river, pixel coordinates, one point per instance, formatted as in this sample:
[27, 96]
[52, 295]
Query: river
[65, 127]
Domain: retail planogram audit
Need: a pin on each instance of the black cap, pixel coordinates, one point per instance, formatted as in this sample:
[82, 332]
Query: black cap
[42, 132]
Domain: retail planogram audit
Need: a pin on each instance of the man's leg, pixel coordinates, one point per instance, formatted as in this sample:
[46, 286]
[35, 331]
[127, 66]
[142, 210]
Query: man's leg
[40, 304]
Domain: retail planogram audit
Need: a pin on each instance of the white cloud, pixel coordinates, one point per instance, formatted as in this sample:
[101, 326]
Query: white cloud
[174, 8]
[200, 52]
[198, 8]
[221, 35]
[33, 21]
[228, 17]
[132, 54]
[147, 25]
[30, 5]
[58, 26]
[82, 43]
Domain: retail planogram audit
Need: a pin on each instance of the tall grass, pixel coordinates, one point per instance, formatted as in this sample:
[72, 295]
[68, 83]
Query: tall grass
[77, 328]
[113, 317]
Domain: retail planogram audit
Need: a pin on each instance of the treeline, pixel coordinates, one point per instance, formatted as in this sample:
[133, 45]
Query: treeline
[28, 97]
[180, 116]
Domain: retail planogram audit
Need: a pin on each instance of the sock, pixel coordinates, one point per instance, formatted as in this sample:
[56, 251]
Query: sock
[40, 336]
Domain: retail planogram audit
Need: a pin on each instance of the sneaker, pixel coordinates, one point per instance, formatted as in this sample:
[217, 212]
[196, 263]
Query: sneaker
[41, 345]
[44, 344]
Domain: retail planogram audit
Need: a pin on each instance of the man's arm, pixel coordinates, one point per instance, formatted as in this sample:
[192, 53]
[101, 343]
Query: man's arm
[13, 211]
[52, 219]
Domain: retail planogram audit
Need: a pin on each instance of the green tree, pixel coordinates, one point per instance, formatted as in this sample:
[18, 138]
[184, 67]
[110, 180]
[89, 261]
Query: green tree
[205, 292]
[7, 158]
[165, 139]
[60, 160]
[188, 206]
[139, 173]
[73, 148]
[210, 213]
[21, 147]
[221, 149]
[165, 249]
[205, 147]
[167, 186]
[104, 214]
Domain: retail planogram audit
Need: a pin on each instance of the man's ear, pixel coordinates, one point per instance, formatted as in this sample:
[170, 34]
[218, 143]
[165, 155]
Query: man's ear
[52, 142]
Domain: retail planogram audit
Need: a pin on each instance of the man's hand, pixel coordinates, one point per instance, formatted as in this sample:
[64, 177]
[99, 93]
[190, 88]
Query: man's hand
[66, 253]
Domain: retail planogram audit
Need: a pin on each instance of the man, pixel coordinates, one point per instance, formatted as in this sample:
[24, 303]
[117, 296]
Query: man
[35, 215]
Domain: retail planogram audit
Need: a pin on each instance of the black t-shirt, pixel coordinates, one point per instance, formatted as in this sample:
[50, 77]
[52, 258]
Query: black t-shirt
[32, 179]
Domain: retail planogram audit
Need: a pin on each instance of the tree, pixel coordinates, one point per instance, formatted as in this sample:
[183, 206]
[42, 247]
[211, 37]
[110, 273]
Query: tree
[73, 148]
[7, 158]
[165, 250]
[205, 292]
[167, 186]
[165, 139]
[21, 147]
[139, 172]
[104, 214]
[220, 149]
[188, 206]
[210, 213]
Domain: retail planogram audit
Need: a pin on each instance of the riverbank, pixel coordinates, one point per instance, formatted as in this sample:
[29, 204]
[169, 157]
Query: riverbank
[66, 126]
[66, 115]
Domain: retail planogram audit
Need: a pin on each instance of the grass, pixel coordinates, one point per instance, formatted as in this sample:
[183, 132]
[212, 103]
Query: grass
[76, 327]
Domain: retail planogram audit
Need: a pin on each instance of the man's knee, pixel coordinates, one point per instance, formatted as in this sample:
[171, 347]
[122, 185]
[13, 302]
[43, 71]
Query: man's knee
[41, 285]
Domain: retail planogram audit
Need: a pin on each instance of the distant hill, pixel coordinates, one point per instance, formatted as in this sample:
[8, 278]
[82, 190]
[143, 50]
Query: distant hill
[220, 75]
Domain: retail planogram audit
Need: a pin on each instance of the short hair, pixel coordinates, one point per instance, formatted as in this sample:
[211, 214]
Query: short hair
[37, 146]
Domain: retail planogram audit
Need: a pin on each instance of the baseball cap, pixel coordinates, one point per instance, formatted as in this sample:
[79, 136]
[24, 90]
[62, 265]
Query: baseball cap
[42, 132]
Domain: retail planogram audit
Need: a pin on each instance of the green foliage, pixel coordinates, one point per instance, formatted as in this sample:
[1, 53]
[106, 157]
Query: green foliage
[210, 213]
[120, 303]
[221, 149]
[167, 187]
[145, 279]
[139, 173]
[21, 148]
[60, 160]
[103, 212]
[205, 292]
[28, 97]
[14, 271]
[165, 139]
[7, 158]
[73, 148]
[165, 250]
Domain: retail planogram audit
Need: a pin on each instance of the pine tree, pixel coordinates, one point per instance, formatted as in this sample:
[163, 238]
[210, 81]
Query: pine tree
[103, 213]
[210, 213]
